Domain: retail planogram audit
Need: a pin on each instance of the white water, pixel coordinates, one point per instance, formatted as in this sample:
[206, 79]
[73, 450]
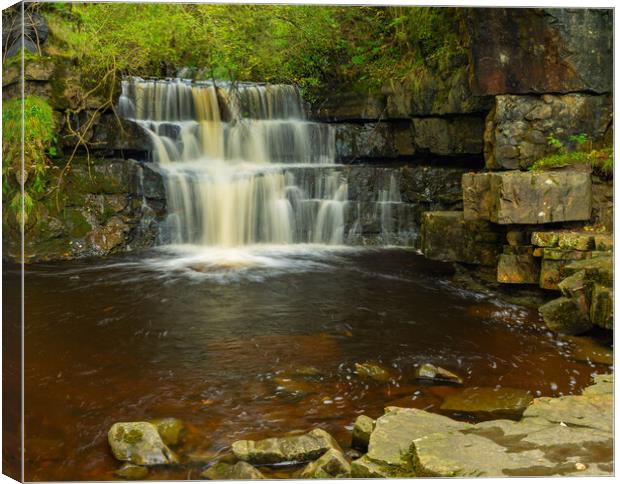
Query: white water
[233, 159]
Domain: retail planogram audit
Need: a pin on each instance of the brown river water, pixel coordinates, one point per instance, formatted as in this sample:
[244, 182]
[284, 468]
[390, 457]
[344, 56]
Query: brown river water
[213, 339]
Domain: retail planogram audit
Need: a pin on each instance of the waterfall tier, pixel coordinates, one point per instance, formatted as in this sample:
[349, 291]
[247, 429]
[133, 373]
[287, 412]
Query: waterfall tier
[242, 165]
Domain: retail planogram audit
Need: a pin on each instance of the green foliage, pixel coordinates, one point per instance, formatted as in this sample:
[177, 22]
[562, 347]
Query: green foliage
[305, 45]
[601, 161]
[38, 145]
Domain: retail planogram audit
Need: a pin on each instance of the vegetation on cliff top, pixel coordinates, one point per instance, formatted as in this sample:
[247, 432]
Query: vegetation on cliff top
[305, 45]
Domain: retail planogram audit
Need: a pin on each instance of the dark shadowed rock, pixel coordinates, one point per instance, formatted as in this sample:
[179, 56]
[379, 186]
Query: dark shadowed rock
[539, 50]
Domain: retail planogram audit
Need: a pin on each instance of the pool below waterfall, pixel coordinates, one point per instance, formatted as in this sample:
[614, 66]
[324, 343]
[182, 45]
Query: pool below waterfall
[256, 342]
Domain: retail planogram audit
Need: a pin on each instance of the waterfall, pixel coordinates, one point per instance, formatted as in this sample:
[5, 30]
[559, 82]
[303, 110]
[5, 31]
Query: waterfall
[241, 163]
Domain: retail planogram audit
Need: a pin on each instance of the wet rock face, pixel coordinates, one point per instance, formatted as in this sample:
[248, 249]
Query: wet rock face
[139, 443]
[279, 450]
[522, 51]
[518, 127]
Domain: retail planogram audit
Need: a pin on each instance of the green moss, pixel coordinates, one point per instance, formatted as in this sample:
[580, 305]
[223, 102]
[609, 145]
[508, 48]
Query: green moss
[76, 222]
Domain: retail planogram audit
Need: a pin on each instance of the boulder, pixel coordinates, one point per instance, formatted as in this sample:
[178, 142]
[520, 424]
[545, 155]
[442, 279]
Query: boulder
[518, 269]
[597, 270]
[170, 430]
[434, 373]
[279, 450]
[139, 443]
[487, 402]
[332, 464]
[372, 371]
[362, 428]
[603, 384]
[537, 50]
[564, 315]
[518, 127]
[132, 472]
[241, 471]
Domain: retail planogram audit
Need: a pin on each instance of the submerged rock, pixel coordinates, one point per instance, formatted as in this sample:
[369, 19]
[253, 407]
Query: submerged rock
[139, 443]
[170, 430]
[330, 465]
[239, 472]
[427, 371]
[362, 428]
[486, 402]
[133, 472]
[373, 371]
[281, 450]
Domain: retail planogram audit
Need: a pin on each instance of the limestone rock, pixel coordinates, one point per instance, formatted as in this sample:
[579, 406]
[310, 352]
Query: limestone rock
[483, 402]
[516, 197]
[518, 269]
[139, 443]
[132, 472]
[545, 239]
[332, 464]
[594, 411]
[517, 130]
[170, 430]
[362, 428]
[431, 372]
[539, 50]
[575, 241]
[278, 450]
[240, 471]
[603, 384]
[398, 428]
[372, 371]
[563, 315]
[599, 270]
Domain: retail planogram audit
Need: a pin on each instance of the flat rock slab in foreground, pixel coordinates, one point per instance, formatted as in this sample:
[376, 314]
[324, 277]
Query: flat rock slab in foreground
[282, 450]
[570, 435]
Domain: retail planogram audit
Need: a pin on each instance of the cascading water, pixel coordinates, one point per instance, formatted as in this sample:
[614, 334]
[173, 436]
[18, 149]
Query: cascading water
[231, 157]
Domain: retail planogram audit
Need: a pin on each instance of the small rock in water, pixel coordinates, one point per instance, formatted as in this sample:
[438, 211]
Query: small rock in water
[293, 387]
[170, 430]
[579, 466]
[331, 464]
[372, 370]
[238, 472]
[487, 402]
[310, 371]
[362, 429]
[139, 443]
[281, 450]
[427, 371]
[132, 472]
